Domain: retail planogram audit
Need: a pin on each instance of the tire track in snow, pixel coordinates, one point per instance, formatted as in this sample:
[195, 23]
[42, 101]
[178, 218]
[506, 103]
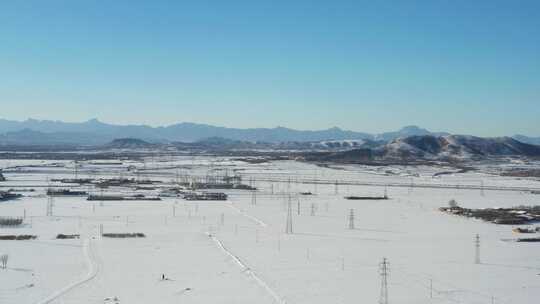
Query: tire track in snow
[277, 298]
[93, 270]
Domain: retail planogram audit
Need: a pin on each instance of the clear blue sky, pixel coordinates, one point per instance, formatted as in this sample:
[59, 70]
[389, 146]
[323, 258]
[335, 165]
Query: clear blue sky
[459, 66]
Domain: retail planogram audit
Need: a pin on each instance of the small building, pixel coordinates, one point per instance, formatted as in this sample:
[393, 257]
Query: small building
[205, 196]
[6, 196]
[65, 192]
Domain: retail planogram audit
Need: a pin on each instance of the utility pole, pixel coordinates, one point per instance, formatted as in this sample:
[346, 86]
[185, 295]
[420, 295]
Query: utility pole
[351, 219]
[336, 188]
[383, 299]
[312, 209]
[477, 249]
[289, 227]
[298, 206]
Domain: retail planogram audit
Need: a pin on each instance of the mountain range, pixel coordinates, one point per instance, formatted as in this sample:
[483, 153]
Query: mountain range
[94, 132]
[418, 148]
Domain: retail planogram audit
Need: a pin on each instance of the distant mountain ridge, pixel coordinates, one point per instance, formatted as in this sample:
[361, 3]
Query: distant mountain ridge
[95, 132]
[440, 148]
[422, 148]
[527, 139]
[458, 146]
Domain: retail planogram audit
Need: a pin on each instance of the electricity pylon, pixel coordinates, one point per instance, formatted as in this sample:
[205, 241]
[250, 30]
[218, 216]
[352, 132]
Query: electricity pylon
[289, 228]
[383, 299]
[253, 198]
[477, 249]
[351, 219]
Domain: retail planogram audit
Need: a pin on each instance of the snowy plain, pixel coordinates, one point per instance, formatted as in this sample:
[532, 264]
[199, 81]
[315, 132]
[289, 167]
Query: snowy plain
[237, 251]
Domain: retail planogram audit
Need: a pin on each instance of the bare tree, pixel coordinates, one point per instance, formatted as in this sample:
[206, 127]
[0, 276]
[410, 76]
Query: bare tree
[4, 260]
[453, 203]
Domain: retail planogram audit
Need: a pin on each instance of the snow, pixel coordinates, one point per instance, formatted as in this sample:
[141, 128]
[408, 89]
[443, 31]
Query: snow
[250, 259]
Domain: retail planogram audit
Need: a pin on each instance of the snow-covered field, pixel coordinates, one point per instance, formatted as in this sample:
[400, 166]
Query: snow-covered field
[237, 251]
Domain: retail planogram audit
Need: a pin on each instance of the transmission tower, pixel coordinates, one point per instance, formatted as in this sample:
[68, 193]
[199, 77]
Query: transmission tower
[477, 249]
[351, 219]
[101, 201]
[289, 228]
[101, 230]
[289, 185]
[482, 188]
[315, 183]
[383, 299]
[50, 205]
[253, 198]
[76, 169]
